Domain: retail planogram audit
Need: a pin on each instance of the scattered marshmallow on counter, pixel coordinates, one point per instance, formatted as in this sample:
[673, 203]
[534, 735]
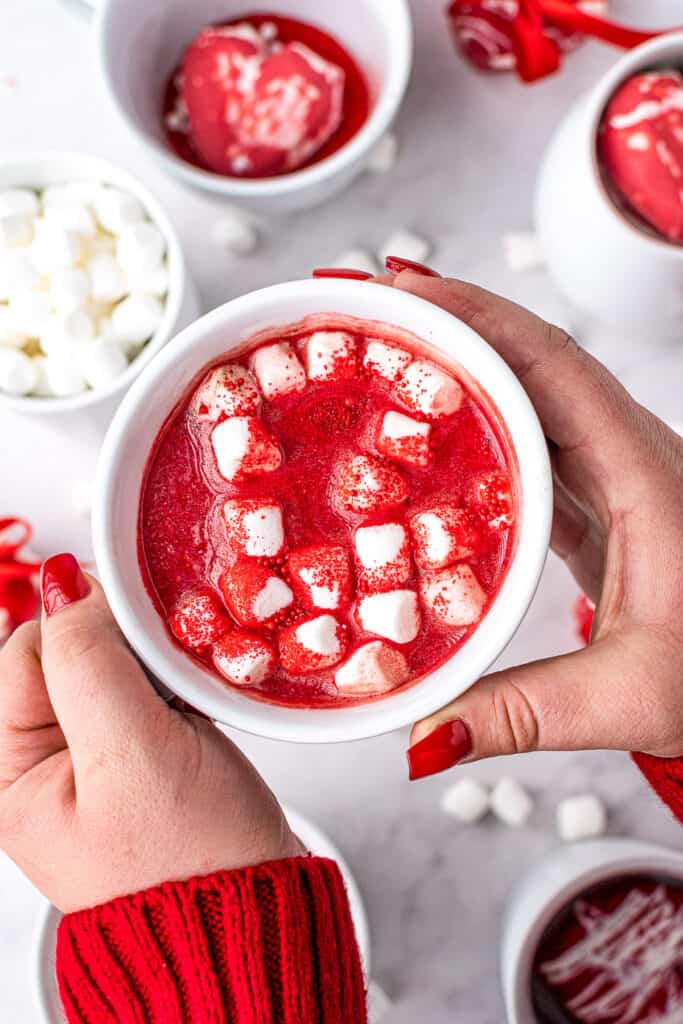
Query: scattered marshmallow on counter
[581, 817]
[81, 498]
[511, 803]
[467, 801]
[235, 231]
[358, 259]
[384, 155]
[83, 279]
[523, 251]
[406, 244]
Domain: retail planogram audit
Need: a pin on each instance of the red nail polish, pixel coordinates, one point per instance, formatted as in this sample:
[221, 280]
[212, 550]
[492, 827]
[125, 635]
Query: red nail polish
[442, 749]
[342, 272]
[62, 583]
[395, 264]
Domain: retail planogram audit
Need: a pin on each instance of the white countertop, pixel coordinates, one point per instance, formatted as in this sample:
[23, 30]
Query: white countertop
[470, 146]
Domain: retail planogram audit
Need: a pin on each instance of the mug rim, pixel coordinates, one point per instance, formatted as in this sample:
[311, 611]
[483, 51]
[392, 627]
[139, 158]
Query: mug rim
[291, 183]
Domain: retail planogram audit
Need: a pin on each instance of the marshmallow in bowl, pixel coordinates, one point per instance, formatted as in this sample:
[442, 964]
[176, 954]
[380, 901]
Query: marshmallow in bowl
[330, 355]
[242, 446]
[429, 390]
[18, 375]
[383, 555]
[228, 390]
[386, 360]
[454, 595]
[255, 527]
[278, 370]
[394, 615]
[375, 667]
[83, 279]
[405, 439]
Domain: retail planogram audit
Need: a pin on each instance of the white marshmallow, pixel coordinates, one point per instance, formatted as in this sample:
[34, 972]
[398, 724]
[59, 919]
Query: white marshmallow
[428, 389]
[320, 636]
[511, 803]
[150, 282]
[358, 259]
[384, 155]
[30, 311]
[11, 334]
[62, 335]
[441, 536]
[467, 801]
[18, 375]
[248, 665]
[330, 355]
[60, 378]
[406, 244]
[69, 289]
[453, 595]
[54, 247]
[73, 216]
[394, 615]
[274, 596]
[234, 442]
[383, 554]
[20, 201]
[135, 319]
[140, 248]
[581, 817]
[278, 370]
[17, 274]
[68, 193]
[108, 282]
[255, 528]
[15, 229]
[235, 231]
[523, 251]
[101, 362]
[374, 667]
[385, 360]
[116, 210]
[228, 390]
[403, 438]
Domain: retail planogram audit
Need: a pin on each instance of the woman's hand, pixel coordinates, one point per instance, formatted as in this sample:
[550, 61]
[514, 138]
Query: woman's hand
[105, 789]
[618, 526]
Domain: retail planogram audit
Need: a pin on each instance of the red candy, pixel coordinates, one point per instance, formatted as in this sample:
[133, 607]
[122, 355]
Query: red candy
[254, 594]
[321, 576]
[255, 108]
[197, 621]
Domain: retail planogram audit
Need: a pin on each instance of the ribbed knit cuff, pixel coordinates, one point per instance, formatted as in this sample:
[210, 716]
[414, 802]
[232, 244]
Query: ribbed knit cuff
[666, 778]
[272, 944]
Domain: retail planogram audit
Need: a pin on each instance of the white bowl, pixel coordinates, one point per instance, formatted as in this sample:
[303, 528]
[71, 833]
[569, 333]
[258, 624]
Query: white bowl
[553, 881]
[599, 257]
[141, 416]
[139, 45]
[49, 1004]
[38, 170]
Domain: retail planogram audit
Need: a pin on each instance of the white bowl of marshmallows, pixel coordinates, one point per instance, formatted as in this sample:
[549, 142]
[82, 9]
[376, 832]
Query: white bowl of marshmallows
[92, 281]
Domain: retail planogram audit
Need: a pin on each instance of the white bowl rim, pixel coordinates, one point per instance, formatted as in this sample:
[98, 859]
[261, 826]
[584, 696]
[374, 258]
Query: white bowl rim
[360, 721]
[363, 141]
[32, 405]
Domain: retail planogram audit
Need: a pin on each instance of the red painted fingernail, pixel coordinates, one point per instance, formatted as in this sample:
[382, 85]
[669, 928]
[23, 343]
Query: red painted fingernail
[442, 749]
[61, 583]
[395, 264]
[344, 272]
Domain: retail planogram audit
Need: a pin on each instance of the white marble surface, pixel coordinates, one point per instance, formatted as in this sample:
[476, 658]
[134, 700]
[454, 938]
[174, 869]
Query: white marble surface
[470, 148]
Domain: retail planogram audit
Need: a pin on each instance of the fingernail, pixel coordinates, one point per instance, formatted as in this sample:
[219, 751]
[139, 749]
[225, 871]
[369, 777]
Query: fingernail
[442, 749]
[61, 583]
[343, 272]
[395, 264]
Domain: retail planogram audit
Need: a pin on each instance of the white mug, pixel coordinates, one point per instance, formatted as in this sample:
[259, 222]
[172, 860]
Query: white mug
[139, 45]
[602, 260]
[552, 883]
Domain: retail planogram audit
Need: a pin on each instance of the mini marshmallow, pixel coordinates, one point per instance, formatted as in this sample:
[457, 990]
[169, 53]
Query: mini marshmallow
[441, 536]
[140, 247]
[115, 210]
[428, 389]
[358, 259]
[330, 355]
[108, 282]
[30, 311]
[244, 659]
[228, 390]
[493, 493]
[278, 370]
[63, 334]
[254, 593]
[135, 319]
[374, 667]
[366, 485]
[73, 216]
[581, 817]
[406, 244]
[385, 360]
[384, 156]
[405, 439]
[511, 803]
[453, 595]
[11, 334]
[466, 801]
[69, 289]
[101, 362]
[60, 378]
[394, 615]
[150, 282]
[383, 555]
[54, 247]
[17, 274]
[313, 645]
[241, 444]
[67, 193]
[255, 528]
[523, 251]
[321, 575]
[15, 229]
[234, 231]
[18, 201]
[18, 375]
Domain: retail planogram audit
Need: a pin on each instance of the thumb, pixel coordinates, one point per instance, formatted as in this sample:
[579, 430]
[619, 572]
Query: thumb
[99, 692]
[578, 701]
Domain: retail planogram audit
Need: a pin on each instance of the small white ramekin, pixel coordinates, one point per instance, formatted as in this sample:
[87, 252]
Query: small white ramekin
[159, 388]
[41, 169]
[554, 880]
[139, 45]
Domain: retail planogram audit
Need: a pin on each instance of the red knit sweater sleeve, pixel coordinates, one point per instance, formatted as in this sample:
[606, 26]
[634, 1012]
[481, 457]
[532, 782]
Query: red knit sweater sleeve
[272, 944]
[666, 778]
